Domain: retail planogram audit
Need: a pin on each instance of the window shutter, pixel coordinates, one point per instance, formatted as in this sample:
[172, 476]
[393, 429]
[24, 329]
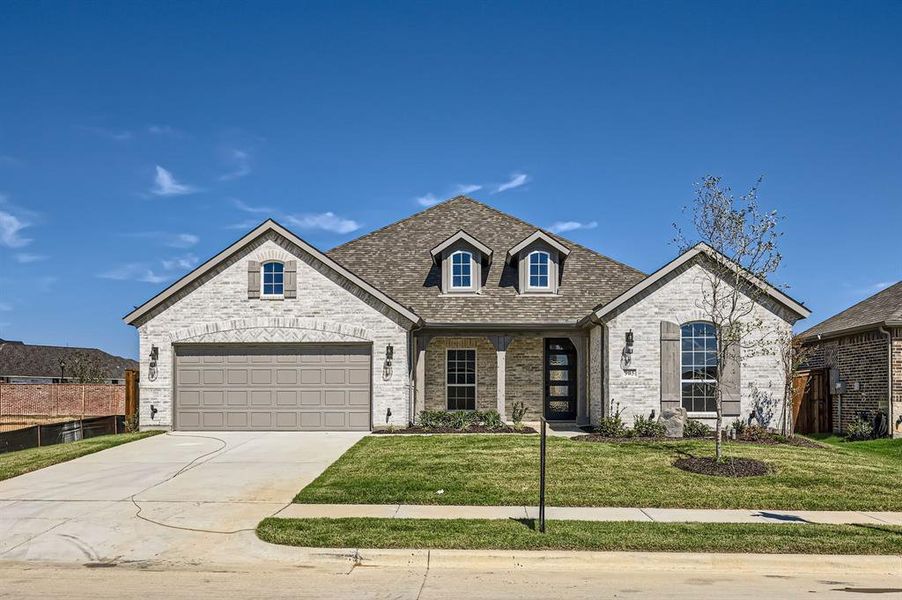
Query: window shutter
[290, 283]
[671, 391]
[729, 382]
[253, 279]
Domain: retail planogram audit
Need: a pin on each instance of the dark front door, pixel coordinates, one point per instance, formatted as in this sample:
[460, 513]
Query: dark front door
[560, 379]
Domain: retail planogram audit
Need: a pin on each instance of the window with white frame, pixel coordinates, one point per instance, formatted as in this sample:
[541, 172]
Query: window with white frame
[538, 269]
[461, 379]
[699, 367]
[461, 270]
[273, 280]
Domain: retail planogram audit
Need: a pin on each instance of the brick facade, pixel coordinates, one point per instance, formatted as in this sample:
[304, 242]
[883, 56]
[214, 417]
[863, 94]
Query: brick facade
[216, 309]
[896, 425]
[526, 375]
[861, 362]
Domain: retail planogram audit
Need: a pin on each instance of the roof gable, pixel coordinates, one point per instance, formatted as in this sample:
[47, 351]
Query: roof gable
[397, 259]
[268, 226]
[461, 235]
[882, 309]
[538, 235]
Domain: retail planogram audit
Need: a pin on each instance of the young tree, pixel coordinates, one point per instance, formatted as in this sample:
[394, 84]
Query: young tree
[792, 356]
[744, 240]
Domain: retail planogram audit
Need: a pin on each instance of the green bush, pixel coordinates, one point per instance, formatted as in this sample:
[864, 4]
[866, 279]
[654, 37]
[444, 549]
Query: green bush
[459, 420]
[859, 430]
[695, 429]
[491, 419]
[518, 411]
[739, 426]
[612, 426]
[646, 427]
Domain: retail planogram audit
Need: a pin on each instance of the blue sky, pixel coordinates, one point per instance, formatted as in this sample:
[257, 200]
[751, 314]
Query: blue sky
[139, 139]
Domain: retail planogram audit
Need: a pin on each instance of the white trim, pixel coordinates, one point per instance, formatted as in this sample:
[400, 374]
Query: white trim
[263, 295]
[548, 270]
[538, 235]
[461, 235]
[682, 259]
[266, 226]
[475, 379]
[471, 274]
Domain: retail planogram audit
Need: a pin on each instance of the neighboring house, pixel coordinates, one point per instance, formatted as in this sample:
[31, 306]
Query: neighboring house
[457, 307]
[29, 363]
[857, 354]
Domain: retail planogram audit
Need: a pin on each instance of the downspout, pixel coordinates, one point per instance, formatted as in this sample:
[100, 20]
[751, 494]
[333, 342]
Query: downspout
[891, 418]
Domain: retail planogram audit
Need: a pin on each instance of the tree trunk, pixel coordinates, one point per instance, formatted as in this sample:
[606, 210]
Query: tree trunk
[718, 428]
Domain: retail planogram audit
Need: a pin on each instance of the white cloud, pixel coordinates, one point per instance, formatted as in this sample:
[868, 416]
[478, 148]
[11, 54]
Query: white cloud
[162, 130]
[166, 185]
[25, 257]
[252, 209]
[248, 224]
[171, 240]
[327, 221]
[5, 306]
[464, 188]
[139, 271]
[428, 200]
[111, 134]
[872, 289]
[240, 160]
[187, 261]
[564, 226]
[11, 228]
[516, 180]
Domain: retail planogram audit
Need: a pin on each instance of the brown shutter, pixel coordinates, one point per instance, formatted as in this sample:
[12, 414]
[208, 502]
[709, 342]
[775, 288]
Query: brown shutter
[290, 287]
[253, 279]
[671, 391]
[729, 382]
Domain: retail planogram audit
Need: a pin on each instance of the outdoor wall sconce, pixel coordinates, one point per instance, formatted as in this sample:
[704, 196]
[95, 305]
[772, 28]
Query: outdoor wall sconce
[629, 338]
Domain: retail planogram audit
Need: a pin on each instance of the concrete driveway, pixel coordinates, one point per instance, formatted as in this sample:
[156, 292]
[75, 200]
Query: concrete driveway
[175, 498]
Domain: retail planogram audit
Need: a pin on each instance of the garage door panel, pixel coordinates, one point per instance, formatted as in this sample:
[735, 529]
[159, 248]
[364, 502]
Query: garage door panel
[272, 387]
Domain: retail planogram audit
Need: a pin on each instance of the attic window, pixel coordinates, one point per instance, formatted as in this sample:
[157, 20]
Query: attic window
[461, 270]
[273, 280]
[538, 269]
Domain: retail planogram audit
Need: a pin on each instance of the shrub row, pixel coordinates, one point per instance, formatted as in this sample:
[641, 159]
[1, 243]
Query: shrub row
[460, 420]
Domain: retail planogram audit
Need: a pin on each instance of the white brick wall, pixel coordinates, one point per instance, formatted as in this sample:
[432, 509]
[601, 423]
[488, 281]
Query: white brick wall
[216, 309]
[675, 299]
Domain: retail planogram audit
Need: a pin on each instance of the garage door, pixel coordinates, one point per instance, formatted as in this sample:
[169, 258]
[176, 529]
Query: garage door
[294, 387]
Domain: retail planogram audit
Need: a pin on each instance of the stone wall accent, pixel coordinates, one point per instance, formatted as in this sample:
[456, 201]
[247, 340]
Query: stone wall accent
[861, 360]
[486, 369]
[526, 375]
[636, 387]
[328, 308]
[596, 373]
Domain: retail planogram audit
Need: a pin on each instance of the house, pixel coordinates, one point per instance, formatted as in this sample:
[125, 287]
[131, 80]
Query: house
[32, 363]
[457, 307]
[856, 356]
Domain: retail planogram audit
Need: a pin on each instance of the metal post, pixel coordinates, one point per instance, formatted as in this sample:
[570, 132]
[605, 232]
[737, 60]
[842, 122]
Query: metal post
[542, 477]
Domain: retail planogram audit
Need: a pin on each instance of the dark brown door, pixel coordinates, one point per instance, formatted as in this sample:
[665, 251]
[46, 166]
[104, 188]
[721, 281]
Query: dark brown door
[812, 406]
[560, 380]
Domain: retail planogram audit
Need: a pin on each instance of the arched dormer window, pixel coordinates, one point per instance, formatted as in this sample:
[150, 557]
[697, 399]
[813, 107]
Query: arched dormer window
[273, 279]
[462, 270]
[538, 270]
[698, 367]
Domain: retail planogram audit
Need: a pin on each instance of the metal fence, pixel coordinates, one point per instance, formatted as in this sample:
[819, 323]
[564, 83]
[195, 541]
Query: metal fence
[60, 433]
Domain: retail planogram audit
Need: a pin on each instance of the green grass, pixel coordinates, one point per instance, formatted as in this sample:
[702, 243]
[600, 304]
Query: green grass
[503, 470]
[582, 535]
[884, 447]
[20, 462]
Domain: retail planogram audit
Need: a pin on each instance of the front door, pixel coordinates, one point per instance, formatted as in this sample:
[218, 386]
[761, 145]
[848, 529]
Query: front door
[560, 380]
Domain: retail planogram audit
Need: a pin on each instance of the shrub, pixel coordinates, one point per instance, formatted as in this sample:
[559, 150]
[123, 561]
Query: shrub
[754, 433]
[518, 411]
[612, 426]
[491, 419]
[431, 419]
[648, 427]
[459, 420]
[695, 429]
[858, 430]
[739, 426]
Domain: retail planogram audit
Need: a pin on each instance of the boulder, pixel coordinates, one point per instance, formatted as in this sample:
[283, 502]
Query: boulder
[673, 419]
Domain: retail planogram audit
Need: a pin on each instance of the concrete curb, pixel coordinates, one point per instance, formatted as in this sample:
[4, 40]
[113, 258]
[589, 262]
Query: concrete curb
[634, 561]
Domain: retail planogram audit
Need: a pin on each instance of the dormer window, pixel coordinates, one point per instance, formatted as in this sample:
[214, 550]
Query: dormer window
[538, 270]
[273, 280]
[462, 270]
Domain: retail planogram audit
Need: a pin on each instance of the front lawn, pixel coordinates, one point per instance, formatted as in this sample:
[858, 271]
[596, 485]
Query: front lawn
[885, 447]
[582, 535]
[503, 470]
[20, 462]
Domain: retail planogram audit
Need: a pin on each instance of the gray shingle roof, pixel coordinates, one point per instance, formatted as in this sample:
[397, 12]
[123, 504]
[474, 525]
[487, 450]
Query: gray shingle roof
[27, 360]
[883, 307]
[396, 259]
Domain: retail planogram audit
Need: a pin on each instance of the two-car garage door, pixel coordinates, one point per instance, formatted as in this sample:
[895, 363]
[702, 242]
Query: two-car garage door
[291, 387]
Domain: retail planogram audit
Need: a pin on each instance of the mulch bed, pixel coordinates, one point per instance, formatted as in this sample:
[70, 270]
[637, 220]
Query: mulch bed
[594, 437]
[729, 467]
[761, 441]
[474, 429]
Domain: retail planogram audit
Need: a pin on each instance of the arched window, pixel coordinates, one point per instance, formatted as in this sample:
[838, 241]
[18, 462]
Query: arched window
[538, 269]
[699, 367]
[273, 279]
[461, 270]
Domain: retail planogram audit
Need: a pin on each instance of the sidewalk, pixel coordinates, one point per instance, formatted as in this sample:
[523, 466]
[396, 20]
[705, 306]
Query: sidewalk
[659, 515]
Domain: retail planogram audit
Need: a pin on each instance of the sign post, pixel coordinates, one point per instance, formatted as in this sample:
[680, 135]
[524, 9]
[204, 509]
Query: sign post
[542, 476]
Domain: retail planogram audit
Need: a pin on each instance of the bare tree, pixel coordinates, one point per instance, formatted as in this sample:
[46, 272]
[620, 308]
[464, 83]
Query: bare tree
[744, 240]
[84, 368]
